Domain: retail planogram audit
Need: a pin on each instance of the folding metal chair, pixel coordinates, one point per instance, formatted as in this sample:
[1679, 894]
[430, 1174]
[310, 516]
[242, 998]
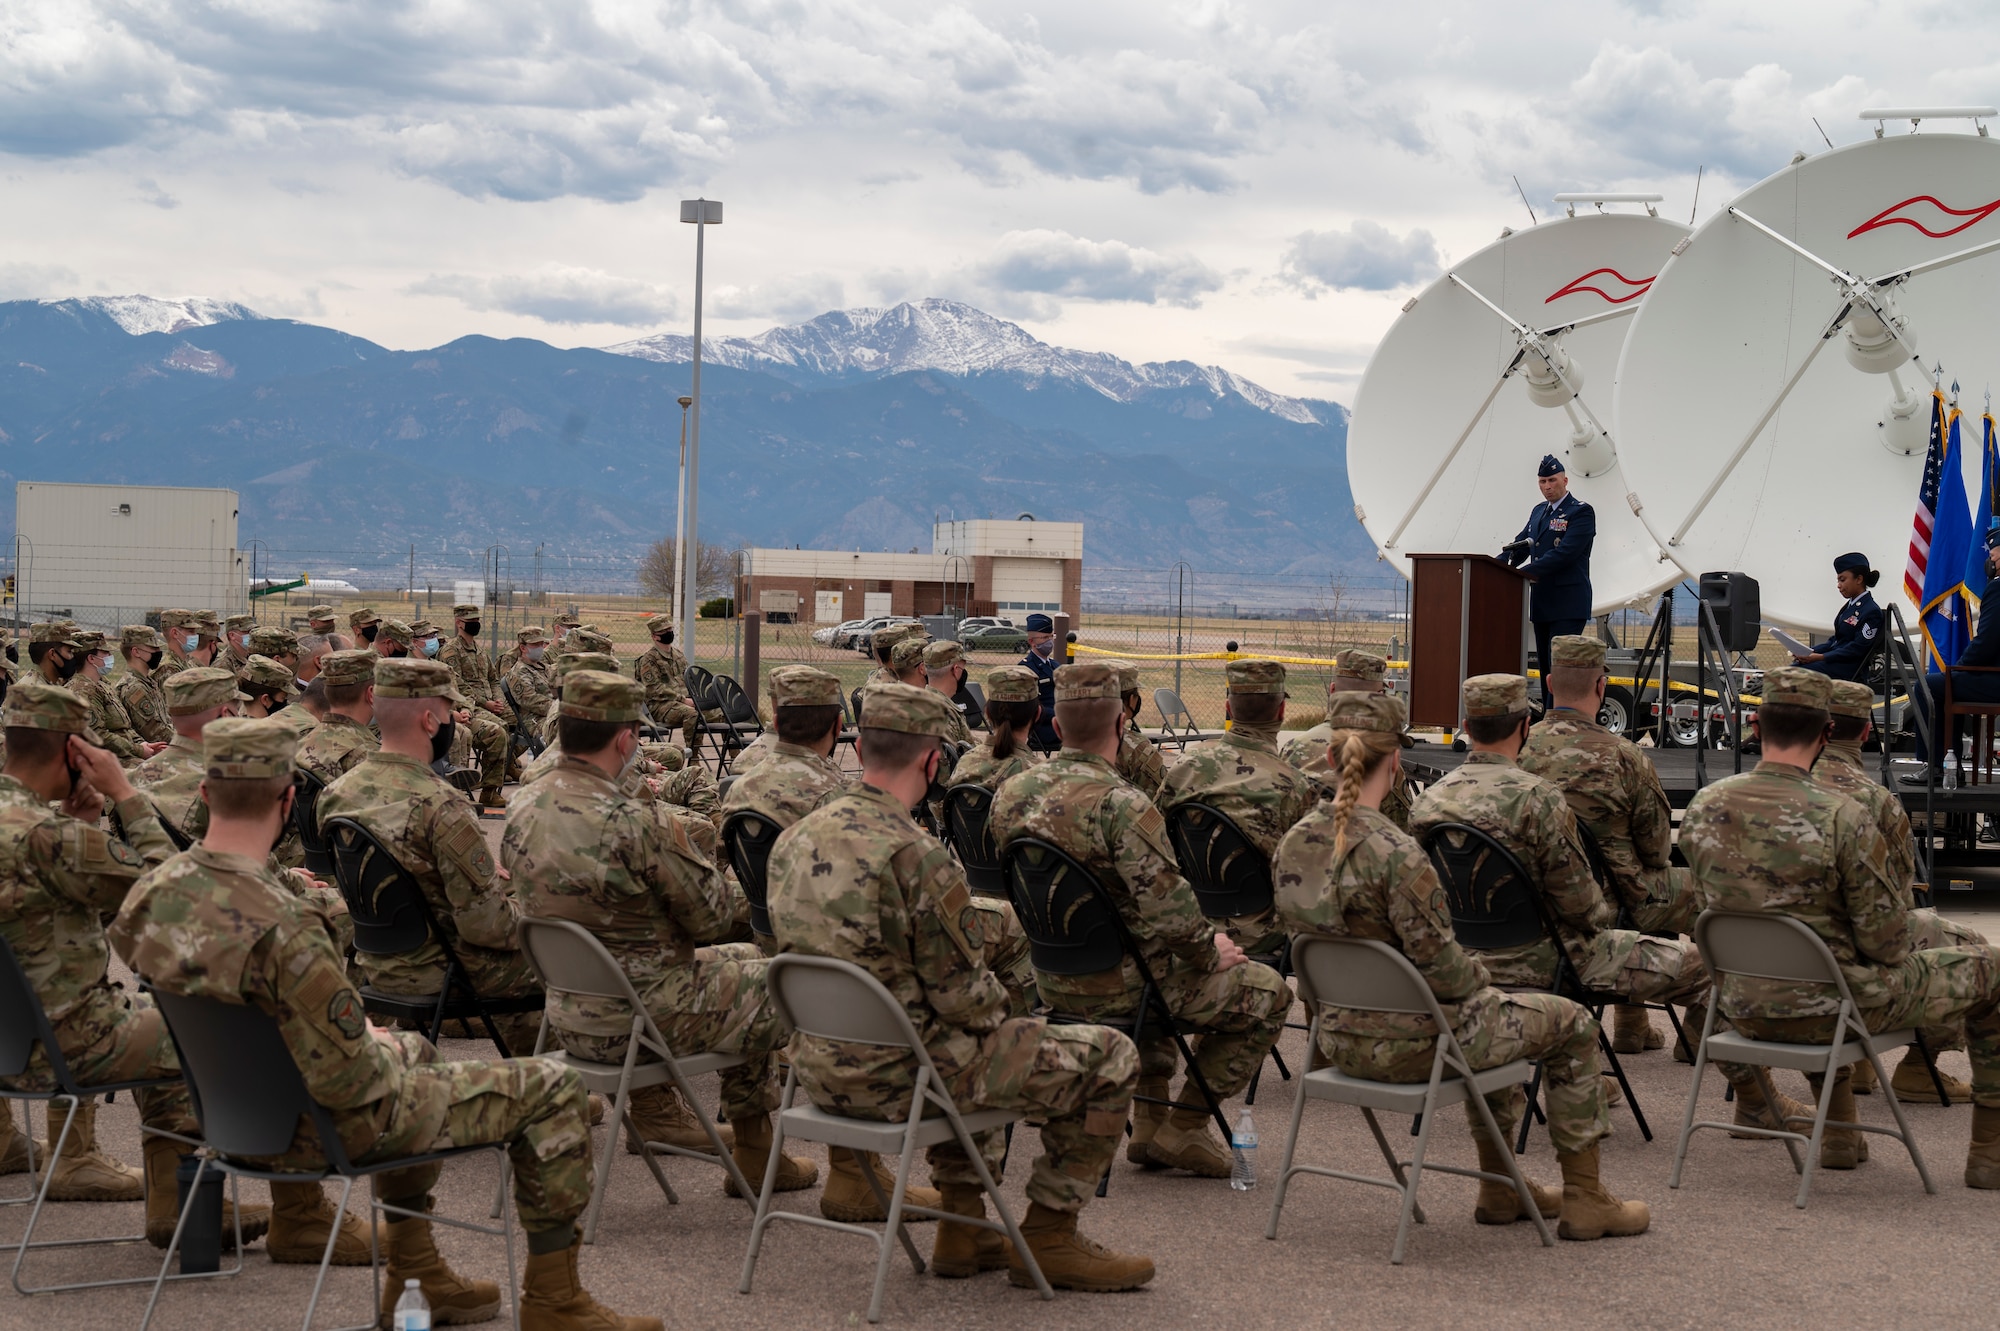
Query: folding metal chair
[568, 957]
[248, 1095]
[739, 724]
[836, 1000]
[391, 916]
[1495, 905]
[1368, 976]
[966, 811]
[1176, 721]
[1761, 946]
[24, 1024]
[747, 838]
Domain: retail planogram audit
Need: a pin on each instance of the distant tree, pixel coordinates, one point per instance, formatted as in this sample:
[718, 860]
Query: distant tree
[714, 567]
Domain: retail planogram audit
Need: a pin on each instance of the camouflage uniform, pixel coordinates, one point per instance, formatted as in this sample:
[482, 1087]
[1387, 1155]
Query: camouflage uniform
[331, 749]
[433, 832]
[1382, 887]
[532, 682]
[230, 656]
[479, 681]
[1139, 759]
[1078, 802]
[980, 768]
[663, 672]
[1242, 777]
[177, 626]
[857, 879]
[171, 778]
[108, 717]
[1355, 671]
[581, 850]
[751, 755]
[138, 690]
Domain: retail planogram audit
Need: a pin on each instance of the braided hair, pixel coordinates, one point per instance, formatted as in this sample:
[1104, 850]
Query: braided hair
[1354, 754]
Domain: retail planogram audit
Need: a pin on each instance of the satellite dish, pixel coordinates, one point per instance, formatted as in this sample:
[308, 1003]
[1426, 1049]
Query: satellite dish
[1769, 402]
[1506, 358]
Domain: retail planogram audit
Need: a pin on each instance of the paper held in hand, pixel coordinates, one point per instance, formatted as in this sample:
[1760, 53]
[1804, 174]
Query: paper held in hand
[1788, 642]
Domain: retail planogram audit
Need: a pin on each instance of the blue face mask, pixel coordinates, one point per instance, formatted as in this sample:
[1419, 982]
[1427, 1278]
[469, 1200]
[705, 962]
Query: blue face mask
[430, 646]
[189, 644]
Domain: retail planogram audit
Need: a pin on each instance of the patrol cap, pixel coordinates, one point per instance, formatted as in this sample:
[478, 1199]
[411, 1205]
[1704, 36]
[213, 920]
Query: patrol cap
[938, 655]
[1013, 683]
[199, 688]
[1039, 623]
[599, 695]
[1576, 649]
[422, 628]
[1255, 677]
[907, 709]
[396, 631]
[1086, 679]
[358, 619]
[38, 706]
[568, 619]
[350, 667]
[569, 661]
[242, 748]
[174, 619]
[205, 623]
[54, 632]
[240, 623]
[1354, 663]
[907, 654]
[1128, 674]
[260, 674]
[319, 614]
[891, 635]
[1551, 466]
[137, 635]
[1495, 695]
[658, 624]
[411, 677]
[532, 633]
[1795, 686]
[92, 641]
[1384, 712]
[803, 686]
[583, 640]
[274, 642]
[465, 610]
[1851, 698]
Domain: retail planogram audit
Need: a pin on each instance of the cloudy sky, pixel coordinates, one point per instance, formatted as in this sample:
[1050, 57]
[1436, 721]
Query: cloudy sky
[1258, 185]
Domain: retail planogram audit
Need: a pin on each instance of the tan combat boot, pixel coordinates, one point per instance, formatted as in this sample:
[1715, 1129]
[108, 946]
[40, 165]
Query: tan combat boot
[1839, 1149]
[1071, 1261]
[301, 1221]
[1632, 1030]
[454, 1300]
[1185, 1141]
[1588, 1211]
[163, 1208]
[848, 1197]
[662, 1116]
[491, 798]
[966, 1250]
[1146, 1120]
[85, 1174]
[753, 1152]
[1912, 1080]
[1499, 1203]
[13, 1144]
[596, 1106]
[1864, 1081]
[553, 1299]
[1753, 1111]
[1982, 1161]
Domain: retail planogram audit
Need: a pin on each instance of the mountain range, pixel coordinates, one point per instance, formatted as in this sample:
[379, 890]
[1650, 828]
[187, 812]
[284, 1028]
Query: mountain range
[854, 430]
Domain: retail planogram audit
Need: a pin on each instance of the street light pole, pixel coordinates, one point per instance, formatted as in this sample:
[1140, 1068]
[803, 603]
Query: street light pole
[703, 213]
[675, 605]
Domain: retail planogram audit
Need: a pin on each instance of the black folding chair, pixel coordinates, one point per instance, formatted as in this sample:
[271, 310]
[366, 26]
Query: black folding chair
[392, 917]
[249, 1096]
[1231, 878]
[24, 1024]
[1074, 928]
[701, 697]
[1496, 905]
[747, 838]
[966, 810]
[306, 789]
[739, 725]
[526, 739]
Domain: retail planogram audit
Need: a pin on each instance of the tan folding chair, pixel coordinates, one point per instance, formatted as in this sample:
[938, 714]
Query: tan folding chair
[569, 957]
[837, 1000]
[1762, 946]
[1369, 976]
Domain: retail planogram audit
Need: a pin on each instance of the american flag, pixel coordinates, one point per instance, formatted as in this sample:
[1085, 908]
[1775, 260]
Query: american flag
[1927, 500]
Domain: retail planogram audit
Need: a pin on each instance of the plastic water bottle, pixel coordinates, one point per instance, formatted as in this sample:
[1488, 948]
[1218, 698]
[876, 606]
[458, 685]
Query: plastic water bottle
[1951, 771]
[413, 1310]
[1243, 1154]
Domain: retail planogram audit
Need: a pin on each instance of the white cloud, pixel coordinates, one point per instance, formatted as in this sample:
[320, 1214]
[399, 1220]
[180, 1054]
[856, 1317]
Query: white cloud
[1365, 257]
[558, 294]
[36, 281]
[1055, 263]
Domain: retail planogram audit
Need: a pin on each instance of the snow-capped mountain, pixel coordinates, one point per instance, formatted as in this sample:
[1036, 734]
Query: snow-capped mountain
[952, 338]
[146, 314]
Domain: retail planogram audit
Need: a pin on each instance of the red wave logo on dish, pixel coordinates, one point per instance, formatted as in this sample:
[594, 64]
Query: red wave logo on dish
[1617, 281]
[1893, 216]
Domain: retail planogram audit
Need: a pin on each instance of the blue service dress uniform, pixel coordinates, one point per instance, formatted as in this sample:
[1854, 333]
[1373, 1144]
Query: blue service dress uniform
[1559, 537]
[1043, 737]
[1857, 629]
[1983, 650]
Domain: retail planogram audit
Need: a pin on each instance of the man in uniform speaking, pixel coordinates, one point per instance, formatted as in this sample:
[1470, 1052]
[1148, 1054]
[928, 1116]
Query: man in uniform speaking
[1556, 545]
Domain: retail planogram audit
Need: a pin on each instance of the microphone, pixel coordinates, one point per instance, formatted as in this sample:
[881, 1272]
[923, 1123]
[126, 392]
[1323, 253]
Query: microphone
[1509, 551]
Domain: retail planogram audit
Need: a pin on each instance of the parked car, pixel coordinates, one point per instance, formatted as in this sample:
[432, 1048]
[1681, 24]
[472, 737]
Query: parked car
[864, 641]
[828, 637]
[984, 621]
[853, 627]
[994, 638]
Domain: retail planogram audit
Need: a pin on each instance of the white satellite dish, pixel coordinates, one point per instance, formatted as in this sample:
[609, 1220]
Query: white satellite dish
[1506, 358]
[1770, 405]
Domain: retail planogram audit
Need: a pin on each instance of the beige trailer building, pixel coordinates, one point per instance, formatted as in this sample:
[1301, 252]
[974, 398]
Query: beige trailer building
[110, 554]
[977, 567]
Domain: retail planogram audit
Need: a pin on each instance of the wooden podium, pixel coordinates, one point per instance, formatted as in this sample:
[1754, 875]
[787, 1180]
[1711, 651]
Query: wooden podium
[1468, 616]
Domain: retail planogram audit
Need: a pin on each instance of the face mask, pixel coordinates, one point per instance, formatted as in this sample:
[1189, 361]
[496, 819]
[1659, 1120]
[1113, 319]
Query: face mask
[441, 742]
[104, 666]
[153, 658]
[13, 653]
[535, 653]
[190, 644]
[471, 628]
[1045, 649]
[430, 646]
[940, 779]
[631, 761]
[667, 639]
[399, 653]
[69, 669]
[368, 632]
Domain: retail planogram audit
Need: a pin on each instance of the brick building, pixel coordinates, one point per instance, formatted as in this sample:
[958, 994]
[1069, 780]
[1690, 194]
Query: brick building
[977, 567]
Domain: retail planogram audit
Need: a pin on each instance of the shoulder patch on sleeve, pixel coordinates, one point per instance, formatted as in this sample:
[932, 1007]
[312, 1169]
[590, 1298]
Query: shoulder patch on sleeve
[961, 920]
[466, 845]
